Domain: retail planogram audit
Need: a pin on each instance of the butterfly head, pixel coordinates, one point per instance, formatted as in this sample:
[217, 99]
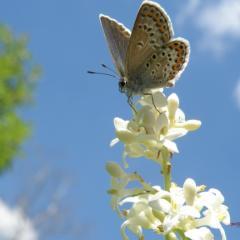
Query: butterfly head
[122, 84]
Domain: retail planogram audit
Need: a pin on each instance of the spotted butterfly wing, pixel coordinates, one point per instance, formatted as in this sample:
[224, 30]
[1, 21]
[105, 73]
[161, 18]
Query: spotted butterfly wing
[153, 58]
[117, 36]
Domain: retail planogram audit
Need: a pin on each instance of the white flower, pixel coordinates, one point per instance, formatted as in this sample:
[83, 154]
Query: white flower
[154, 126]
[138, 217]
[215, 213]
[187, 209]
[202, 233]
[119, 182]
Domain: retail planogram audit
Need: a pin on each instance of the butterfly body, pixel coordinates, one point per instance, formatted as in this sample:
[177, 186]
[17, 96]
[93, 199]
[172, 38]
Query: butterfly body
[149, 57]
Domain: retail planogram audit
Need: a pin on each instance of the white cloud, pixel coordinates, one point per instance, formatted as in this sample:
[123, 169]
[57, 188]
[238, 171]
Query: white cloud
[188, 10]
[237, 93]
[14, 225]
[222, 19]
[219, 22]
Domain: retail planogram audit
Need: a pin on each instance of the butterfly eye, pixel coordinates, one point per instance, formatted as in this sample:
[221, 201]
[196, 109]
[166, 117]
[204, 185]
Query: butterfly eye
[122, 84]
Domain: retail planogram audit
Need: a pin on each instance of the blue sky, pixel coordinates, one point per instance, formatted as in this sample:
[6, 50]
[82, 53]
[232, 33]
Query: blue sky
[72, 116]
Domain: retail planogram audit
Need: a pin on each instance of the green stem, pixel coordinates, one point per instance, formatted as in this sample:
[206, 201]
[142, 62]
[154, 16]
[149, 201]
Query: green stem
[167, 237]
[166, 171]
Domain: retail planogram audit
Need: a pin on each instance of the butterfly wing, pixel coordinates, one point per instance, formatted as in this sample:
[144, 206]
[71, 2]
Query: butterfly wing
[161, 69]
[151, 55]
[152, 29]
[117, 36]
[177, 52]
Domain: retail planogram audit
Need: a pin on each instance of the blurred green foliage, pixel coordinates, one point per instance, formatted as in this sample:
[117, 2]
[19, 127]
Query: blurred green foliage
[18, 76]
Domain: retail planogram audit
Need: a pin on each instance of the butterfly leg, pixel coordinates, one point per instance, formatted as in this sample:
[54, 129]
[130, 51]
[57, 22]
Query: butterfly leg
[150, 94]
[130, 102]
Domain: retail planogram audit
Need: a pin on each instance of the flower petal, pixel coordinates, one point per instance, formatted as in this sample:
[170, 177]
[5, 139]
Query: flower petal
[126, 136]
[114, 142]
[199, 234]
[174, 133]
[120, 124]
[157, 96]
[179, 116]
[134, 150]
[161, 205]
[190, 125]
[171, 146]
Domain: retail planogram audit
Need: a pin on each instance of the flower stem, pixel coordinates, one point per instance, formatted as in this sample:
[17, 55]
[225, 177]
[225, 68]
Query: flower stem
[166, 169]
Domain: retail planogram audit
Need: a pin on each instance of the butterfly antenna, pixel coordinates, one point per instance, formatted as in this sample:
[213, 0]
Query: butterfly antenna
[102, 73]
[108, 68]
[235, 224]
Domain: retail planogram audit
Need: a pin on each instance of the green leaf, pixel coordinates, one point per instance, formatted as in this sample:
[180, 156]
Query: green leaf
[18, 74]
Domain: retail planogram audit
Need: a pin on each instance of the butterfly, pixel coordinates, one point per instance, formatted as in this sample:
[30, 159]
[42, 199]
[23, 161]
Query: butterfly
[149, 57]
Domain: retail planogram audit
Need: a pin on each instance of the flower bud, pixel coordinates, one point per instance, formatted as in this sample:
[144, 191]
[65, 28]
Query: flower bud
[173, 104]
[115, 170]
[190, 191]
[172, 236]
[192, 125]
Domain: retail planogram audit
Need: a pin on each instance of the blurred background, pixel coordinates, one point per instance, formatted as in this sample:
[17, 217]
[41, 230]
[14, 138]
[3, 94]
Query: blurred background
[56, 122]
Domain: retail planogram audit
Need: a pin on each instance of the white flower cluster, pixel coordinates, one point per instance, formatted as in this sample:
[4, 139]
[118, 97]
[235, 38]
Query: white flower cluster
[175, 212]
[154, 126]
[182, 211]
